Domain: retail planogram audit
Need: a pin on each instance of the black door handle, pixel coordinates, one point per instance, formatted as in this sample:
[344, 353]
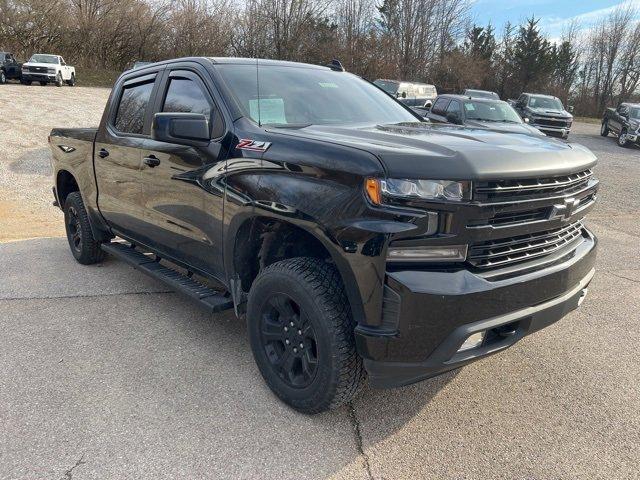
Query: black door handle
[103, 153]
[152, 161]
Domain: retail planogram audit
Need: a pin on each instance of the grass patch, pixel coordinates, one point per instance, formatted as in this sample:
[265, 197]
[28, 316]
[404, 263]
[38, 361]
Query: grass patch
[587, 120]
[96, 78]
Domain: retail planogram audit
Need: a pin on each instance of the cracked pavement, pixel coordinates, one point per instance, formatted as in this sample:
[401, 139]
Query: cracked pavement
[104, 374]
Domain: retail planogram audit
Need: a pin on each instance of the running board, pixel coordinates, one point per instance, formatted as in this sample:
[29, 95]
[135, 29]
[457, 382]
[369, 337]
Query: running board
[212, 300]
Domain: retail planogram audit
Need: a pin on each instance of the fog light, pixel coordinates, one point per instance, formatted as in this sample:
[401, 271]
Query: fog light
[455, 253]
[473, 341]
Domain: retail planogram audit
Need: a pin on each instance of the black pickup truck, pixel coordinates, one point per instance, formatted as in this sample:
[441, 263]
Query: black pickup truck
[546, 113]
[10, 68]
[624, 122]
[355, 239]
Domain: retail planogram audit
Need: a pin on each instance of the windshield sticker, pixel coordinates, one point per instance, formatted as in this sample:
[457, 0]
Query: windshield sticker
[469, 107]
[328, 85]
[271, 110]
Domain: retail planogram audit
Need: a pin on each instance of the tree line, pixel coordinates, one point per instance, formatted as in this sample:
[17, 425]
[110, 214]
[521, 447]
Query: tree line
[433, 41]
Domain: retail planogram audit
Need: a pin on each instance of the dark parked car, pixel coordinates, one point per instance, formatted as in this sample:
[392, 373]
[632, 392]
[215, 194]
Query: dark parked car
[10, 68]
[545, 113]
[624, 122]
[470, 92]
[479, 112]
[410, 93]
[357, 241]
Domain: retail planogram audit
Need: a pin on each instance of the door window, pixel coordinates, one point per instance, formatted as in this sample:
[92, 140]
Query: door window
[132, 108]
[454, 107]
[185, 95]
[439, 108]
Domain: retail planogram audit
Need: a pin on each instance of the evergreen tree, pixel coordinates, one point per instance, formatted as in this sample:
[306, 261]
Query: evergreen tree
[532, 60]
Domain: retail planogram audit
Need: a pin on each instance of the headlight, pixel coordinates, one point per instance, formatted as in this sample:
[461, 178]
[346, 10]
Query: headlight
[51, 70]
[454, 253]
[425, 189]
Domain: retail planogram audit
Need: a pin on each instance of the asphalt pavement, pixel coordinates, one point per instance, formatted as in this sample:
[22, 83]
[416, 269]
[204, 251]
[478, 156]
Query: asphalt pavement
[105, 374]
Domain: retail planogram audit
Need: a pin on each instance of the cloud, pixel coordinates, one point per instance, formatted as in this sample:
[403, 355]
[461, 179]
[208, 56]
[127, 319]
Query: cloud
[555, 25]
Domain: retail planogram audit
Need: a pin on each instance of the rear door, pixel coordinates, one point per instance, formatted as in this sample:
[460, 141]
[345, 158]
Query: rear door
[184, 218]
[118, 153]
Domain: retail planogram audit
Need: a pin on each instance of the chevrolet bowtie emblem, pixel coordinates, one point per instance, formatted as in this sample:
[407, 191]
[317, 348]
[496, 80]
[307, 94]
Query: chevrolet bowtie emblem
[566, 209]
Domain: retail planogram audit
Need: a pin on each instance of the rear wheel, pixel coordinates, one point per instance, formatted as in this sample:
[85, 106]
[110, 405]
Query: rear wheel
[3, 77]
[604, 129]
[84, 247]
[622, 138]
[301, 332]
[72, 81]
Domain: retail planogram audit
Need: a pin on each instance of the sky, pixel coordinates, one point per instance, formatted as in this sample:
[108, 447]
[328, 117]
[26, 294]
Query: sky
[554, 15]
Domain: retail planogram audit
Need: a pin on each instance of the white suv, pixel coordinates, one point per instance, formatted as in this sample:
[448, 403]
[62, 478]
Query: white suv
[48, 69]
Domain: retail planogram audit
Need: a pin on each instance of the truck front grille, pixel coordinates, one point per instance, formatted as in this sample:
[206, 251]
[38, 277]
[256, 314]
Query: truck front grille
[506, 251]
[551, 122]
[505, 190]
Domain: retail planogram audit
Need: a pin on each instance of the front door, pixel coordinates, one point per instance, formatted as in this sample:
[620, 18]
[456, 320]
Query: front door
[118, 155]
[185, 219]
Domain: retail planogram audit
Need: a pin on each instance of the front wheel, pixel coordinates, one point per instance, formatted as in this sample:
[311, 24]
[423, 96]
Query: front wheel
[3, 77]
[58, 80]
[84, 247]
[302, 334]
[622, 138]
[604, 129]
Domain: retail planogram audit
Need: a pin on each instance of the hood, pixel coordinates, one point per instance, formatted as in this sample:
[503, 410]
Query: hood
[505, 127]
[548, 112]
[448, 152]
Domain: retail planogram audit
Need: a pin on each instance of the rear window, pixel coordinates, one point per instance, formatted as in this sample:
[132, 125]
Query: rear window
[133, 106]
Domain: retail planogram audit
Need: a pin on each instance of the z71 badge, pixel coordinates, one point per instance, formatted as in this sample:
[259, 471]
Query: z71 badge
[254, 146]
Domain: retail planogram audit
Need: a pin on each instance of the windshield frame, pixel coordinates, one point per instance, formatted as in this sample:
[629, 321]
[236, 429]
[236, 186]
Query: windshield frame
[551, 99]
[515, 120]
[55, 59]
[367, 94]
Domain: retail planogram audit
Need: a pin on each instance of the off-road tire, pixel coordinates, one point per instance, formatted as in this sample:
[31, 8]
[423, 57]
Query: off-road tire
[604, 129]
[317, 288]
[3, 77]
[84, 248]
[58, 81]
[622, 138]
[72, 81]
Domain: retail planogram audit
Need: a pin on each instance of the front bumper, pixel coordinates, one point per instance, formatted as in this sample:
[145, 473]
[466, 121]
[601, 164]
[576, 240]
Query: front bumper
[562, 131]
[39, 77]
[438, 310]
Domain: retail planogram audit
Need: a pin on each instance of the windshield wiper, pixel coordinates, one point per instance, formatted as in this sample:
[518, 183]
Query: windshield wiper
[287, 125]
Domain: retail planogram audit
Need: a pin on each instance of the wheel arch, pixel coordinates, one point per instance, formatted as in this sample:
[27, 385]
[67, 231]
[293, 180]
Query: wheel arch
[257, 241]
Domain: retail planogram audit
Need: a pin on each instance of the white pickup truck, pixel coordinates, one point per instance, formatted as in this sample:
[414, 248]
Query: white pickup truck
[48, 69]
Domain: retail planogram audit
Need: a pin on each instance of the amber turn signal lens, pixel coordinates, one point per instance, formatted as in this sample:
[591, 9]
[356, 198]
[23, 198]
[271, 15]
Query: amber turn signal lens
[372, 185]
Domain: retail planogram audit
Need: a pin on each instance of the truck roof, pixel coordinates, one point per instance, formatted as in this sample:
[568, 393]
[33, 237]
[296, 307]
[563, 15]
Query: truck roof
[539, 95]
[239, 61]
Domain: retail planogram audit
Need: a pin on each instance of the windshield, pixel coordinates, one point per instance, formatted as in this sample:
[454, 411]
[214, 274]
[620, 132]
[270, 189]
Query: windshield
[307, 96]
[634, 112]
[548, 103]
[43, 59]
[490, 112]
[481, 94]
[389, 87]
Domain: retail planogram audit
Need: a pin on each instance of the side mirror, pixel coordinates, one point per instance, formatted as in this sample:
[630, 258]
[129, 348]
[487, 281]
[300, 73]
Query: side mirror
[453, 117]
[570, 109]
[404, 94]
[181, 128]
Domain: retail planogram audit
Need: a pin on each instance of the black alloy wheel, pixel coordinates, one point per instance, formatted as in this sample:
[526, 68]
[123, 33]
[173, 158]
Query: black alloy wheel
[289, 341]
[74, 229]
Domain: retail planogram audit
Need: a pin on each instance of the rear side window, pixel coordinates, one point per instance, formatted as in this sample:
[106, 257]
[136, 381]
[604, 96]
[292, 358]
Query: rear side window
[440, 106]
[184, 95]
[454, 106]
[133, 106]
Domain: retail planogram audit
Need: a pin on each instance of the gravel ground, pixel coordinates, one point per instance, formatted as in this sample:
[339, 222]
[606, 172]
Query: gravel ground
[103, 374]
[28, 115]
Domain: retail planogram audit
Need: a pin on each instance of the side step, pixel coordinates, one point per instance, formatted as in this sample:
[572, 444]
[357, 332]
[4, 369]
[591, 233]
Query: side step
[208, 298]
